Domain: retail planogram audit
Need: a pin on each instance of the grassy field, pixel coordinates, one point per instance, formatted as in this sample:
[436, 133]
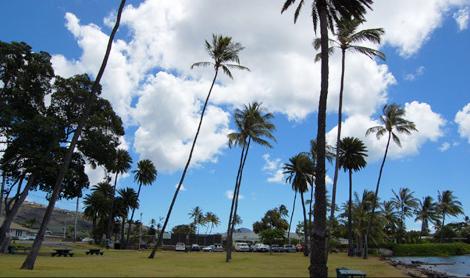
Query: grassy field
[134, 263]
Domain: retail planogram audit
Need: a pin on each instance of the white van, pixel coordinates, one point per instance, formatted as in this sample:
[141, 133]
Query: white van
[242, 247]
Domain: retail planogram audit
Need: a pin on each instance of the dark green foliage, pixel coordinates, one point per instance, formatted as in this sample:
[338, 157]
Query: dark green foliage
[431, 249]
[273, 219]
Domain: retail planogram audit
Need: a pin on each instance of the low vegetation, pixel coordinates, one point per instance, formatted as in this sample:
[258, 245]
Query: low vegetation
[432, 249]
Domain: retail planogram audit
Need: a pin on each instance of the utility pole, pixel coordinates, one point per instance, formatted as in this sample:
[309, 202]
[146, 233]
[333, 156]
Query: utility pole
[65, 229]
[76, 220]
[140, 230]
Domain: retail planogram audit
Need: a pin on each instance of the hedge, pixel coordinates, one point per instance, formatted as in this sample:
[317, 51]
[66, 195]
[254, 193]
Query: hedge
[432, 249]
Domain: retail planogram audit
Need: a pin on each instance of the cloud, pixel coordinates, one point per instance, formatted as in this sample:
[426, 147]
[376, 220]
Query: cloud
[462, 118]
[412, 76]
[150, 85]
[182, 188]
[95, 175]
[274, 169]
[229, 195]
[461, 18]
[444, 146]
[429, 124]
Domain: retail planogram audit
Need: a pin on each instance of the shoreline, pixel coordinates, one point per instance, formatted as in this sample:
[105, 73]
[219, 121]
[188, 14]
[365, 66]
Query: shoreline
[416, 270]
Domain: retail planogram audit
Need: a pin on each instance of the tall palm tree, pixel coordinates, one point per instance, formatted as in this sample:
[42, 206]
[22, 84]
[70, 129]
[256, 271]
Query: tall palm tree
[426, 213]
[224, 54]
[197, 216]
[31, 258]
[406, 204]
[97, 207]
[447, 204]
[145, 174]
[325, 12]
[347, 37]
[253, 124]
[127, 200]
[122, 164]
[300, 171]
[351, 157]
[393, 123]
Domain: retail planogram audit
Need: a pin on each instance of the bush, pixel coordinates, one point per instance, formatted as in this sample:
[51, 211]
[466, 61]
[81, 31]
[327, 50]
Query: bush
[432, 249]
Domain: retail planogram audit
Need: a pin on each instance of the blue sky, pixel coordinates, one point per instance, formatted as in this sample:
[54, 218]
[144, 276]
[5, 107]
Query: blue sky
[427, 67]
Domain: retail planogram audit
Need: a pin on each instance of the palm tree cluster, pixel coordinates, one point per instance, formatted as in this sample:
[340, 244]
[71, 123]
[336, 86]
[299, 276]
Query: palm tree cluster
[388, 224]
[200, 219]
[105, 208]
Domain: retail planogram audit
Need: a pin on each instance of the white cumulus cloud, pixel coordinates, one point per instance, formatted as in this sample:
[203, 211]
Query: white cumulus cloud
[229, 195]
[461, 18]
[273, 167]
[462, 118]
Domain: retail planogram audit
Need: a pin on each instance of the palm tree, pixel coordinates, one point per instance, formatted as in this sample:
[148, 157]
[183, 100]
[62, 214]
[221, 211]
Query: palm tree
[347, 38]
[97, 207]
[31, 258]
[224, 53]
[447, 204]
[145, 174]
[127, 200]
[253, 125]
[351, 157]
[391, 218]
[426, 213]
[197, 215]
[393, 123]
[212, 219]
[122, 164]
[324, 12]
[406, 204]
[300, 172]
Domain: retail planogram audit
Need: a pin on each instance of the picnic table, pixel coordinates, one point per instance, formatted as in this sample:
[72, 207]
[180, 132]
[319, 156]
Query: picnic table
[95, 251]
[349, 273]
[62, 252]
[14, 249]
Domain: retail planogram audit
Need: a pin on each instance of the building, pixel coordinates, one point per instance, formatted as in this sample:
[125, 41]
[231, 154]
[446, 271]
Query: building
[20, 232]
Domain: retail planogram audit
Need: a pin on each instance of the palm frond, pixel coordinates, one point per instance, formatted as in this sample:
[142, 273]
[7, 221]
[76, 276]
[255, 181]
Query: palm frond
[370, 52]
[200, 64]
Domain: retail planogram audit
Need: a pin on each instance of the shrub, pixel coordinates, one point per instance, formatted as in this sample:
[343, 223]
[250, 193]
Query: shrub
[432, 249]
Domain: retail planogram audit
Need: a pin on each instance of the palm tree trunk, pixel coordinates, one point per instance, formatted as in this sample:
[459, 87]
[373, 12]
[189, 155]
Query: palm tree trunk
[110, 226]
[441, 238]
[31, 258]
[2, 189]
[162, 231]
[350, 233]
[310, 217]
[292, 216]
[76, 220]
[232, 207]
[305, 224]
[5, 228]
[132, 217]
[369, 222]
[338, 138]
[236, 196]
[123, 226]
[318, 253]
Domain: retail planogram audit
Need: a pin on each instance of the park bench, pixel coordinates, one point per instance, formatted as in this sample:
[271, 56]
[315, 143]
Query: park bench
[15, 249]
[61, 252]
[344, 272]
[95, 252]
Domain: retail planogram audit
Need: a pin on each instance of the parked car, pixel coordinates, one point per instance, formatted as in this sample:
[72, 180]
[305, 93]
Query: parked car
[276, 248]
[210, 248]
[289, 248]
[88, 240]
[180, 246]
[218, 248]
[195, 247]
[260, 247]
[242, 247]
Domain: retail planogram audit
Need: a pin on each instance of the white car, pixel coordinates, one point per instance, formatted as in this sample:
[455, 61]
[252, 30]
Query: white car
[260, 247]
[242, 247]
[180, 246]
[210, 248]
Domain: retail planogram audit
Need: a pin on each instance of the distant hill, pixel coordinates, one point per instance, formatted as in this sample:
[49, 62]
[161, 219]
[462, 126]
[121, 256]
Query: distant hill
[31, 214]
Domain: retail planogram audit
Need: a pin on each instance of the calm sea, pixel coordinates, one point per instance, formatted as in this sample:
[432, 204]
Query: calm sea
[454, 266]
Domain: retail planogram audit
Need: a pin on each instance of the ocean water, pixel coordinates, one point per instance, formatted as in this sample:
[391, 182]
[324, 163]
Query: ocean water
[458, 266]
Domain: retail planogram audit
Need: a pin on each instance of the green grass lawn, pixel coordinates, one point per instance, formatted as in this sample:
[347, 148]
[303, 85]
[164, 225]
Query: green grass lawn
[135, 263]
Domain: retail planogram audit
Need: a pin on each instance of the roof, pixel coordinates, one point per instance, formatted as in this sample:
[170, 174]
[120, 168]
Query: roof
[16, 226]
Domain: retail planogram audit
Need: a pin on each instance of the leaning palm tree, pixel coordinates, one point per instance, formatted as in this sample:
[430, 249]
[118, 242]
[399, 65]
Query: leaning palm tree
[347, 39]
[392, 219]
[352, 157]
[31, 258]
[122, 164]
[213, 220]
[224, 53]
[393, 123]
[300, 171]
[406, 204]
[145, 174]
[326, 13]
[447, 204]
[196, 215]
[253, 125]
[426, 213]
